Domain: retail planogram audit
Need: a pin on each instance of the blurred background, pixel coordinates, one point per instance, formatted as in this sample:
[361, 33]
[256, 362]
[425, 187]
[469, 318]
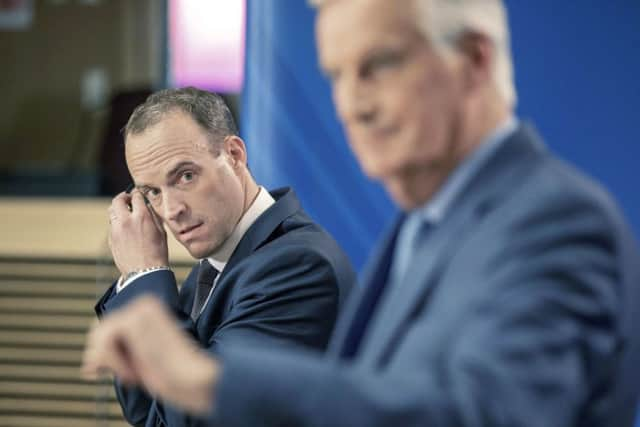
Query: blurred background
[71, 72]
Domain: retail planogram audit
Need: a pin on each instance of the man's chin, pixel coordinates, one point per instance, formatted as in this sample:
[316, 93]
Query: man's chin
[403, 200]
[198, 251]
[406, 195]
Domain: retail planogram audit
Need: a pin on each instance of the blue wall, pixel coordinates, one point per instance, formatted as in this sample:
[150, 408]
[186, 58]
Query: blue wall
[291, 131]
[577, 72]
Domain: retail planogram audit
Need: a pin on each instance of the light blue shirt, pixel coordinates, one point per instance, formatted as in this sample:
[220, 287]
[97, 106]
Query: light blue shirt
[436, 208]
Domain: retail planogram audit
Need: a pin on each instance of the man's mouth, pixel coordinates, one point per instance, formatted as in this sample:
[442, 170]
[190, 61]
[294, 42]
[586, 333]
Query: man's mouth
[378, 134]
[187, 231]
[384, 131]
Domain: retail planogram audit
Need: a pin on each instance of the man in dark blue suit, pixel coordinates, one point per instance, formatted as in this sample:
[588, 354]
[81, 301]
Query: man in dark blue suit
[505, 293]
[267, 274]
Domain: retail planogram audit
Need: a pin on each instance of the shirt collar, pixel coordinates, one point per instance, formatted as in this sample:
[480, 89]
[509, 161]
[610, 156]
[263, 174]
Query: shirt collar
[262, 202]
[436, 208]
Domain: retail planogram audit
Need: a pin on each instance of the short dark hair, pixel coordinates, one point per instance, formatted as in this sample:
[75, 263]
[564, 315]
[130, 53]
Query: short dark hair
[207, 109]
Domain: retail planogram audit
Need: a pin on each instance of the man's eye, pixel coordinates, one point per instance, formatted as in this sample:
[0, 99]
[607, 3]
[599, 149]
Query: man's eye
[382, 61]
[187, 176]
[152, 193]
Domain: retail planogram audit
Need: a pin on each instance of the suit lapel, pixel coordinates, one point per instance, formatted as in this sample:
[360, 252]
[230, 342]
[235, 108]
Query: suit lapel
[286, 205]
[260, 231]
[511, 163]
[401, 301]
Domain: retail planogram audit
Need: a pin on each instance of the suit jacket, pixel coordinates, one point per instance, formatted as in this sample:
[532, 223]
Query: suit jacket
[516, 311]
[282, 286]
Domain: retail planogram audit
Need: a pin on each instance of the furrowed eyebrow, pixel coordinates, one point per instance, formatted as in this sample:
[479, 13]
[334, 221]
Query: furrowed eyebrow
[174, 171]
[179, 166]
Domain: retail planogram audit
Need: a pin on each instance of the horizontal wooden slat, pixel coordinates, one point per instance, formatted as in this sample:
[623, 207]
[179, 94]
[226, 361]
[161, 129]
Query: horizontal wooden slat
[50, 305]
[46, 322]
[58, 407]
[46, 339]
[11, 354]
[63, 289]
[38, 271]
[103, 275]
[20, 283]
[48, 421]
[82, 391]
[39, 372]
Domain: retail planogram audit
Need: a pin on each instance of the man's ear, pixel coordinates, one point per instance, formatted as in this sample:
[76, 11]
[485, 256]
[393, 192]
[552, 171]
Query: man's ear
[235, 150]
[478, 53]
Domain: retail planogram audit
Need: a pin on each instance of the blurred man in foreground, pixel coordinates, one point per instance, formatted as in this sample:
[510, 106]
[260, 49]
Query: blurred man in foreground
[267, 274]
[503, 296]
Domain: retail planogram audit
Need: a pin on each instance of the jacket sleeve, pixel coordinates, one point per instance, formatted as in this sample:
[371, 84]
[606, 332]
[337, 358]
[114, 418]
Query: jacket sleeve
[136, 402]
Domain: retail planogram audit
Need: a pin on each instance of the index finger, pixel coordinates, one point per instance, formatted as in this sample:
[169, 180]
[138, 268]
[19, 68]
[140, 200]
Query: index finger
[120, 204]
[138, 202]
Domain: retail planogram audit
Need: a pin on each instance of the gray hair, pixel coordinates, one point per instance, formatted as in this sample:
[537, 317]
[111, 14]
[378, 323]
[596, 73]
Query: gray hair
[444, 22]
[207, 109]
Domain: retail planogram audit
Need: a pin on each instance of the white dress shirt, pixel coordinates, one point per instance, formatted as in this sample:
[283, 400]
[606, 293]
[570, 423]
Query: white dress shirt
[221, 256]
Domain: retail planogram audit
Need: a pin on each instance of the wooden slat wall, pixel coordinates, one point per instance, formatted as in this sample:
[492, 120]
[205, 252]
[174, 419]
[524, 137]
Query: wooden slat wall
[46, 307]
[49, 283]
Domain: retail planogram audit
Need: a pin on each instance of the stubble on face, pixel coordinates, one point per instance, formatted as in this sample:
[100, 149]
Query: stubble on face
[197, 185]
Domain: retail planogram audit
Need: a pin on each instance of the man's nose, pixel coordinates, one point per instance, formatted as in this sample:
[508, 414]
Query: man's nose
[174, 206]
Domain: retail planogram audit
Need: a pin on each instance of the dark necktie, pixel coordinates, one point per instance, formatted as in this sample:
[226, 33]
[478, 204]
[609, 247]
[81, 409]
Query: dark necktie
[411, 239]
[206, 276]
